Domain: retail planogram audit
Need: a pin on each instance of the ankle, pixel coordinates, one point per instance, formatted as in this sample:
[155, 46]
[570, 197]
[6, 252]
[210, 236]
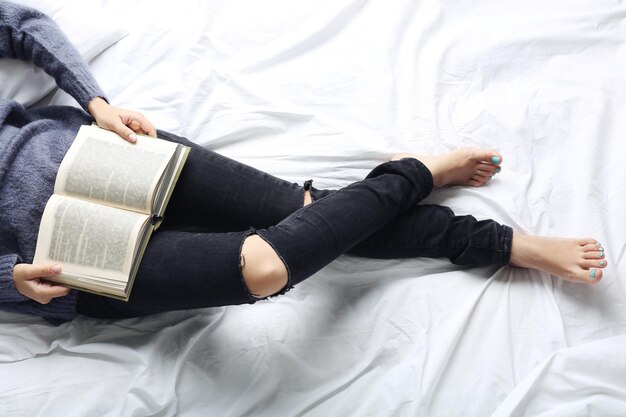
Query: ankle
[522, 251]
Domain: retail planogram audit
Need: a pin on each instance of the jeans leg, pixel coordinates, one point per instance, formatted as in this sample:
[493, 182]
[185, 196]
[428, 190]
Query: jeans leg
[220, 194]
[435, 232]
[179, 271]
[315, 235]
[375, 217]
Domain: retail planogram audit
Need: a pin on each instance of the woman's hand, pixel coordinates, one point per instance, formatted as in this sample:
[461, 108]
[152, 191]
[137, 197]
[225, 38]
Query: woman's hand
[123, 122]
[30, 282]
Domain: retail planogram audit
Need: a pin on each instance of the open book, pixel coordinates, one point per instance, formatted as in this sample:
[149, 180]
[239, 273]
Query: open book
[109, 196]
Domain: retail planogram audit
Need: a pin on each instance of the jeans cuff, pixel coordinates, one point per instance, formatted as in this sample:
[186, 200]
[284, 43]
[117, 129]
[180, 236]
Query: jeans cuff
[506, 243]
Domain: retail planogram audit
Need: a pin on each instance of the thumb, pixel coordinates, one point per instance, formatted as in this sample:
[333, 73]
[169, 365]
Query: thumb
[35, 271]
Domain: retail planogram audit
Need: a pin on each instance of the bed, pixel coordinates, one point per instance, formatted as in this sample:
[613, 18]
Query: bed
[326, 90]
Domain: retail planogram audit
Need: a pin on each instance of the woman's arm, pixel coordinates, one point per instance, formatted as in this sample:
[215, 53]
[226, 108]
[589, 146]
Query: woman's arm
[30, 35]
[8, 294]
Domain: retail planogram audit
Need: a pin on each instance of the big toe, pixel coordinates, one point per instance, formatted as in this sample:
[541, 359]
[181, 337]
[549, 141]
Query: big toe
[490, 156]
[594, 275]
[589, 276]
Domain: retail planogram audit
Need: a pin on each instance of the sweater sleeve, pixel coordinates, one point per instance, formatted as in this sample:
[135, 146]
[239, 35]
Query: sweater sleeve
[8, 292]
[29, 35]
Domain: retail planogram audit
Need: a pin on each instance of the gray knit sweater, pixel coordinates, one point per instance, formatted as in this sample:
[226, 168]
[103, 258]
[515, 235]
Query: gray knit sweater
[32, 145]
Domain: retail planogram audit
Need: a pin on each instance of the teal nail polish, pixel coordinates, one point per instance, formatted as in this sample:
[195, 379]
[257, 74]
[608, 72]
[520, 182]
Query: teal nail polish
[593, 273]
[602, 263]
[600, 254]
[601, 249]
[498, 169]
[495, 160]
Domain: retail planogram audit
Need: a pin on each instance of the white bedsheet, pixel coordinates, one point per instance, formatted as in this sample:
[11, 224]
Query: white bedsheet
[327, 90]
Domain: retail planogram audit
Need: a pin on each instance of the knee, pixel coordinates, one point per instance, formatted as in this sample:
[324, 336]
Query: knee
[263, 271]
[307, 198]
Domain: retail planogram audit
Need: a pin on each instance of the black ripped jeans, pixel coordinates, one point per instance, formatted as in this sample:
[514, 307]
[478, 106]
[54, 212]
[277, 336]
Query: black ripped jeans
[193, 260]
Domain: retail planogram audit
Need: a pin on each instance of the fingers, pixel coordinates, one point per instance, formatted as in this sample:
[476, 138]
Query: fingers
[141, 125]
[131, 123]
[30, 282]
[124, 131]
[44, 292]
[137, 122]
[125, 123]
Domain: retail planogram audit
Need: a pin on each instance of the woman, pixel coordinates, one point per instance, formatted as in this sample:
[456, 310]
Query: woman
[233, 234]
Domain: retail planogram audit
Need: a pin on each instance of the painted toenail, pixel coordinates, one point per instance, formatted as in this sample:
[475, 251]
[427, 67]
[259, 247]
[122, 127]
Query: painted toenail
[601, 249]
[498, 169]
[592, 273]
[495, 160]
[600, 254]
[602, 263]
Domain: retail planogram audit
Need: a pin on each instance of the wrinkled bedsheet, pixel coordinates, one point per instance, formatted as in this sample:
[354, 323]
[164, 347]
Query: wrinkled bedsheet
[327, 90]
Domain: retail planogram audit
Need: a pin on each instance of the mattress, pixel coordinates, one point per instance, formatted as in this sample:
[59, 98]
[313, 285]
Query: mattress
[327, 90]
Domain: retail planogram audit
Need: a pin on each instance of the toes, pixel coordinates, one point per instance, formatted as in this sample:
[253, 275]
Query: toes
[594, 254]
[589, 241]
[587, 276]
[486, 170]
[589, 263]
[593, 261]
[480, 178]
[490, 163]
[495, 157]
[594, 276]
[489, 156]
[482, 174]
[475, 183]
[593, 247]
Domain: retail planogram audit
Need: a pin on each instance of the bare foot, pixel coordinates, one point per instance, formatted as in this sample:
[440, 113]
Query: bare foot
[577, 260]
[465, 166]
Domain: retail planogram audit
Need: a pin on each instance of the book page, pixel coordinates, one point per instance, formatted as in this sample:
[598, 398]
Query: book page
[172, 173]
[102, 167]
[88, 238]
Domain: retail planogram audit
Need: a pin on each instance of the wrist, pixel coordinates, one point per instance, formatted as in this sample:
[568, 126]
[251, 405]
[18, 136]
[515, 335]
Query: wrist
[8, 290]
[96, 104]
